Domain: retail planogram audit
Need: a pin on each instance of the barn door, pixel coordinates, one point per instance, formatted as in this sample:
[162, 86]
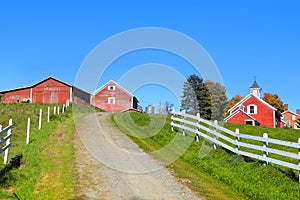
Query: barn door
[53, 98]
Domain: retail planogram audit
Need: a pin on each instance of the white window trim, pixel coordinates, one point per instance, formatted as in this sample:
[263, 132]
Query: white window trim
[113, 87]
[293, 117]
[255, 109]
[109, 100]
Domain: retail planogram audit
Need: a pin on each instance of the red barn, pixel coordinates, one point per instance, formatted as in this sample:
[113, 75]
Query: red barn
[47, 91]
[112, 97]
[254, 111]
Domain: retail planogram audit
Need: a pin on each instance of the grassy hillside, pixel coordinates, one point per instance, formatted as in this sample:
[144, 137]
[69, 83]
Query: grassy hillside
[220, 174]
[46, 170]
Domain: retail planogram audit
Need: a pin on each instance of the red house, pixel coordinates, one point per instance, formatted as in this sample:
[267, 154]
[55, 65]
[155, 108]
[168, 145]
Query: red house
[47, 91]
[254, 111]
[290, 118]
[112, 97]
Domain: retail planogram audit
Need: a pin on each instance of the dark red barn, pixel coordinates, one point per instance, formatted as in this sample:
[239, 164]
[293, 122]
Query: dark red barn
[47, 91]
[112, 97]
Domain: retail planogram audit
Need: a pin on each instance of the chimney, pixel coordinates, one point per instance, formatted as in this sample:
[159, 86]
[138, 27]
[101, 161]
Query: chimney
[298, 111]
[285, 107]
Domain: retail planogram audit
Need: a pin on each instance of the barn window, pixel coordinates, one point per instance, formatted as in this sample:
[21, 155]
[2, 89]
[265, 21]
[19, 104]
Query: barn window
[111, 87]
[111, 100]
[252, 109]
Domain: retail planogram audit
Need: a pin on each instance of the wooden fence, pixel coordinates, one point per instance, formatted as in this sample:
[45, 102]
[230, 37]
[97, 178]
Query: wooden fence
[231, 140]
[5, 139]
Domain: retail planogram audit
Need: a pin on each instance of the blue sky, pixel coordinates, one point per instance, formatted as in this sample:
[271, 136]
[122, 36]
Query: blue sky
[245, 39]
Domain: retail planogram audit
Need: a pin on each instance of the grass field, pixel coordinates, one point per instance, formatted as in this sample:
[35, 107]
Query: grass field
[220, 174]
[46, 170]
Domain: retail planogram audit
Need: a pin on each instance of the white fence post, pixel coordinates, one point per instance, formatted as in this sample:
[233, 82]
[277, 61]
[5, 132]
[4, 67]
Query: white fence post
[63, 109]
[183, 118]
[198, 122]
[28, 130]
[48, 115]
[172, 122]
[58, 110]
[7, 143]
[40, 119]
[265, 146]
[237, 140]
[215, 136]
[54, 110]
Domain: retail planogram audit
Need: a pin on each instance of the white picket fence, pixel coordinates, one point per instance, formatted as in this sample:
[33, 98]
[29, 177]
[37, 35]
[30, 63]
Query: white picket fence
[5, 139]
[212, 131]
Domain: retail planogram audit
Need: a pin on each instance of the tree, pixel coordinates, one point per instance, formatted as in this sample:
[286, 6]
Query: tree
[189, 101]
[274, 100]
[233, 101]
[196, 97]
[218, 100]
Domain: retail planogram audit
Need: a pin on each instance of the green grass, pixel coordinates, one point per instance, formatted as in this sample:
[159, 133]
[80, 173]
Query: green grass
[46, 170]
[221, 174]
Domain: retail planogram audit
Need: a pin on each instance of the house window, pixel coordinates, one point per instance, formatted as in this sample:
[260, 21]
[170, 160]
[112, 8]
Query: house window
[111, 87]
[293, 117]
[252, 109]
[249, 122]
[111, 100]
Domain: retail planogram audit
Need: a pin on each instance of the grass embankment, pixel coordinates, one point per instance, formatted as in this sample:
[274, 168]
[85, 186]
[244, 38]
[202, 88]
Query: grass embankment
[46, 170]
[220, 174]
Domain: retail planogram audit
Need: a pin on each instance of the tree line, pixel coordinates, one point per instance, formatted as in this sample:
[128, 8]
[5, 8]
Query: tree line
[209, 99]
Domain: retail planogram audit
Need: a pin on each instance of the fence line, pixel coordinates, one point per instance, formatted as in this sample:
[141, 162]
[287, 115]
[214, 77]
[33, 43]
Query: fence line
[6, 139]
[183, 121]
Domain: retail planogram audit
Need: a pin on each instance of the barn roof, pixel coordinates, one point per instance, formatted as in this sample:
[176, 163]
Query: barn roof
[28, 87]
[112, 81]
[52, 79]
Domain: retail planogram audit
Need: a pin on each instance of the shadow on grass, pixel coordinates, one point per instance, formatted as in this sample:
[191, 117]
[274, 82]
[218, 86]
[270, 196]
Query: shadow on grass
[15, 162]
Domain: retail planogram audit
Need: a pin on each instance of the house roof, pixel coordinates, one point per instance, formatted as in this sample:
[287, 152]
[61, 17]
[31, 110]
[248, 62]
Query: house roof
[236, 112]
[249, 96]
[290, 112]
[27, 87]
[255, 85]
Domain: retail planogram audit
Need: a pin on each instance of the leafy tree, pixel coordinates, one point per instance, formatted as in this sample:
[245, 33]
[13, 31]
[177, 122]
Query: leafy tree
[233, 101]
[274, 100]
[218, 100]
[196, 97]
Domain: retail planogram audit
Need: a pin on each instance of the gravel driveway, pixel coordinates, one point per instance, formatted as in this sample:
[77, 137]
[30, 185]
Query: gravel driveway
[110, 166]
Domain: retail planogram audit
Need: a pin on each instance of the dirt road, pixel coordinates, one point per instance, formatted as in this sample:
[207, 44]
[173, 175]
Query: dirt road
[111, 166]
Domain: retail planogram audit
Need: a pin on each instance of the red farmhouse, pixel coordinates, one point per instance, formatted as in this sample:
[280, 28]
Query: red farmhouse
[254, 111]
[290, 118]
[48, 91]
[111, 97]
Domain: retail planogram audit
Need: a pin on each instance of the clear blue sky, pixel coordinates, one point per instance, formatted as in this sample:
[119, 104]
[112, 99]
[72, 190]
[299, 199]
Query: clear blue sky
[244, 38]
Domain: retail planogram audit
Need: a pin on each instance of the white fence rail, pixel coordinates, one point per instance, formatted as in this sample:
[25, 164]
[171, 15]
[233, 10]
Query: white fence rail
[5, 139]
[212, 132]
